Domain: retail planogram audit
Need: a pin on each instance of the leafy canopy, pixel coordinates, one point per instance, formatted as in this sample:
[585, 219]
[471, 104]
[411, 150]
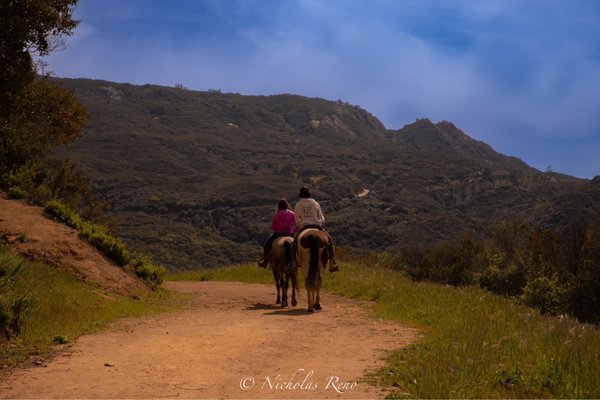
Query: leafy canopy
[36, 116]
[29, 26]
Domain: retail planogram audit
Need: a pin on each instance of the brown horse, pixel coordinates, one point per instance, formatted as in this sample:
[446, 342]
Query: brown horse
[311, 255]
[279, 259]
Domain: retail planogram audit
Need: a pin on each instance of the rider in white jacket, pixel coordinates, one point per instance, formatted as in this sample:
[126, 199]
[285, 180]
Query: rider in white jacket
[308, 214]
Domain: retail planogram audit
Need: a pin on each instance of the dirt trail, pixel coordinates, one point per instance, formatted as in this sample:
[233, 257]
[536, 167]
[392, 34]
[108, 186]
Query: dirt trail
[232, 342]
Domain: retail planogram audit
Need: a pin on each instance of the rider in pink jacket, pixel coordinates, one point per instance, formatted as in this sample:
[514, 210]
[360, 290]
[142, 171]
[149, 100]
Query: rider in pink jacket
[283, 224]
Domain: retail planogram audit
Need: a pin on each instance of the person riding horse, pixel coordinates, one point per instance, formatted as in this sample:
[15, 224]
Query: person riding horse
[283, 224]
[308, 214]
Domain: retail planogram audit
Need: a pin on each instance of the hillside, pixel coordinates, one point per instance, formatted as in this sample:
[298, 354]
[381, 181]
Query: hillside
[193, 177]
[39, 238]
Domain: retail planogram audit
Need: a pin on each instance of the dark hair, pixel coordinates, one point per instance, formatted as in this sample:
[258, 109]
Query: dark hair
[283, 205]
[304, 192]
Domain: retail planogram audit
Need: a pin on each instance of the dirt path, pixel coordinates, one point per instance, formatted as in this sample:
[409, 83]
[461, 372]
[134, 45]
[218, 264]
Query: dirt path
[232, 342]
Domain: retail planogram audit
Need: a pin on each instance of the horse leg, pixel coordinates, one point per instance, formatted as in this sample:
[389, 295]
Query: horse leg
[294, 285]
[311, 301]
[284, 290]
[278, 285]
[318, 301]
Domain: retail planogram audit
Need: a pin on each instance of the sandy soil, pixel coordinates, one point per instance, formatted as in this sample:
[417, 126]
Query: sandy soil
[231, 342]
[41, 239]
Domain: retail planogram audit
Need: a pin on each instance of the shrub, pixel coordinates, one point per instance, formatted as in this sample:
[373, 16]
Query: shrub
[12, 310]
[584, 299]
[507, 280]
[4, 320]
[451, 262]
[112, 247]
[109, 245]
[27, 181]
[146, 269]
[64, 213]
[546, 294]
[15, 192]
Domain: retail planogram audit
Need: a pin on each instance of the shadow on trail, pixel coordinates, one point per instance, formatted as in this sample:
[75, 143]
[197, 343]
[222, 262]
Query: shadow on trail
[262, 306]
[277, 310]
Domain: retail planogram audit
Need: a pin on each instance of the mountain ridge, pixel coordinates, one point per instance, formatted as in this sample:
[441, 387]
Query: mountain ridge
[195, 176]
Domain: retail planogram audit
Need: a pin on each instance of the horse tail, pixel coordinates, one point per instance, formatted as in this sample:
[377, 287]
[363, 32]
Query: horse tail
[287, 245]
[315, 242]
[288, 251]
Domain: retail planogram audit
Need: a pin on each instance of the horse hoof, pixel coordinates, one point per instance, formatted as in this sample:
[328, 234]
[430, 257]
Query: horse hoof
[294, 303]
[318, 307]
[283, 305]
[310, 310]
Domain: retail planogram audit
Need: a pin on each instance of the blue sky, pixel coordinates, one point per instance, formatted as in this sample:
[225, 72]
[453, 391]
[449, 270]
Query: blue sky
[521, 75]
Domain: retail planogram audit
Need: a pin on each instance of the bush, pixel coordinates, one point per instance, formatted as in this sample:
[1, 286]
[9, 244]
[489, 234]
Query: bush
[112, 247]
[4, 320]
[508, 280]
[146, 269]
[451, 263]
[109, 245]
[584, 299]
[16, 192]
[27, 181]
[546, 294]
[12, 309]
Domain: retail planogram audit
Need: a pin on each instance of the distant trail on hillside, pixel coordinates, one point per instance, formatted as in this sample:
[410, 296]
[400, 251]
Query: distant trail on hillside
[230, 342]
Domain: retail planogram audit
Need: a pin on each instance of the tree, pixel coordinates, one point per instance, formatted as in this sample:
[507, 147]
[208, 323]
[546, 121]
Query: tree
[28, 26]
[46, 116]
[35, 114]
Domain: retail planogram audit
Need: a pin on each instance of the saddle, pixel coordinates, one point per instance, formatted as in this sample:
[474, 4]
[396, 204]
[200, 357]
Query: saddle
[323, 236]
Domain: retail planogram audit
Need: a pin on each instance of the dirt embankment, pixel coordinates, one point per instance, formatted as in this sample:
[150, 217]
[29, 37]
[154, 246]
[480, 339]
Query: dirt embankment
[39, 238]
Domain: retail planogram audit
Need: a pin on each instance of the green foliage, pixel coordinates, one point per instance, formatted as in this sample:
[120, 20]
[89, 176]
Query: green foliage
[114, 248]
[41, 305]
[12, 308]
[59, 339]
[504, 279]
[46, 117]
[555, 271]
[449, 262]
[146, 269]
[546, 294]
[36, 116]
[29, 26]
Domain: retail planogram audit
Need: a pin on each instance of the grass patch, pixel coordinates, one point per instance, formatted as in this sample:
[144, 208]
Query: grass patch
[248, 273]
[41, 306]
[475, 344]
